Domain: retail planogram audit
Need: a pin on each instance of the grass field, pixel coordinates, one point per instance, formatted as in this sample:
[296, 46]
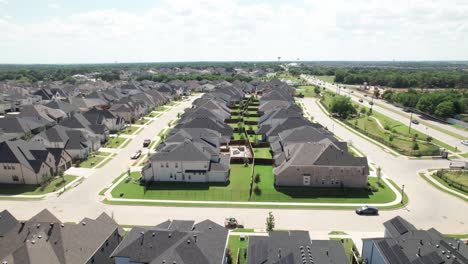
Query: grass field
[54, 185]
[114, 142]
[238, 136]
[460, 177]
[237, 246]
[237, 189]
[327, 78]
[262, 153]
[253, 137]
[268, 193]
[422, 175]
[306, 90]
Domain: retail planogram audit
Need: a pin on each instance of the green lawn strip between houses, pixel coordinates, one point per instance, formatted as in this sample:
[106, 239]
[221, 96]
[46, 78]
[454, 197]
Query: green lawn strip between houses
[91, 161]
[54, 185]
[237, 246]
[237, 189]
[130, 130]
[262, 153]
[267, 192]
[444, 183]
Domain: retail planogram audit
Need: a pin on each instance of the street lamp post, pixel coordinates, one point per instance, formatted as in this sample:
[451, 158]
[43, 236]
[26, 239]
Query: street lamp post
[410, 121]
[402, 193]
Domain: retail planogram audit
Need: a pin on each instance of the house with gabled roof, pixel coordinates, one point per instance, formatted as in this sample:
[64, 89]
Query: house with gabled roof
[320, 164]
[24, 162]
[404, 243]
[46, 239]
[106, 118]
[18, 127]
[187, 161]
[176, 241]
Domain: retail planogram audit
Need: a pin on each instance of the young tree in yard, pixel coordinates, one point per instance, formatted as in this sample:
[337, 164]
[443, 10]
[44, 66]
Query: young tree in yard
[270, 222]
[376, 93]
[379, 173]
[342, 106]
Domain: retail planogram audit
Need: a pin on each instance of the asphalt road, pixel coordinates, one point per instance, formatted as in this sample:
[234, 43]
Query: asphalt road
[437, 134]
[428, 207]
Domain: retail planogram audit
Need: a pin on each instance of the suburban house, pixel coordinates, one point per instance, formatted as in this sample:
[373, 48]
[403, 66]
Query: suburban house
[188, 161]
[290, 247]
[320, 164]
[45, 239]
[175, 241]
[106, 118]
[403, 243]
[24, 162]
[18, 127]
[45, 115]
[79, 122]
[63, 106]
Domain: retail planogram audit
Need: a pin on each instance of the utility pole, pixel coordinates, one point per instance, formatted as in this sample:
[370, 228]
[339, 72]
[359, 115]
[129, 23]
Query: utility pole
[410, 121]
[372, 103]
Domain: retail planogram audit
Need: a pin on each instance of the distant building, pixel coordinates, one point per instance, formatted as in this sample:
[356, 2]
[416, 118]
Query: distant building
[403, 244]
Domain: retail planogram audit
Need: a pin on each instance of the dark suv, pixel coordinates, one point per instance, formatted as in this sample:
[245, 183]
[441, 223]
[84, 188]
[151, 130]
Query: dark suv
[367, 210]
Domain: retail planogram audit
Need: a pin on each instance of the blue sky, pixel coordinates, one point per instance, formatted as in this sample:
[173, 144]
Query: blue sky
[58, 31]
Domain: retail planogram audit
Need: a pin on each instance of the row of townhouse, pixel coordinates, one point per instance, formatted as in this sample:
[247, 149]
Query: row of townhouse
[191, 152]
[304, 153]
[45, 239]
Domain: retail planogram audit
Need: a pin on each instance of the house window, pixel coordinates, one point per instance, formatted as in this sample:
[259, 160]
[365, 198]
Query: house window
[170, 176]
[167, 165]
[341, 170]
[177, 165]
[15, 178]
[189, 177]
[175, 177]
[5, 167]
[306, 180]
[162, 165]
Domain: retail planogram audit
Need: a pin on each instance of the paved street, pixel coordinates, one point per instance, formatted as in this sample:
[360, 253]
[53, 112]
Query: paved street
[448, 139]
[428, 207]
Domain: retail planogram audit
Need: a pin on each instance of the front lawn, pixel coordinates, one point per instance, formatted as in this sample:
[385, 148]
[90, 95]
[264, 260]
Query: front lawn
[251, 119]
[130, 130]
[253, 138]
[54, 185]
[114, 142]
[266, 191]
[141, 121]
[161, 108]
[91, 161]
[456, 180]
[262, 153]
[238, 136]
[236, 189]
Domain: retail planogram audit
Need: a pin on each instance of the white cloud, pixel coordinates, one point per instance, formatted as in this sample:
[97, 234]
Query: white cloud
[181, 30]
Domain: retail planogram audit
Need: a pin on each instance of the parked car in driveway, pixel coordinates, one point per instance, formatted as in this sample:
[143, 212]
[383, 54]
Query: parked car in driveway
[367, 210]
[360, 100]
[414, 121]
[146, 142]
[371, 103]
[136, 155]
[464, 142]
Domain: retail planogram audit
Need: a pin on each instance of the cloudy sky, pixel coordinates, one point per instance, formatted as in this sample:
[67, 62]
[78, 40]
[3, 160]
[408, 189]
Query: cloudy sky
[92, 31]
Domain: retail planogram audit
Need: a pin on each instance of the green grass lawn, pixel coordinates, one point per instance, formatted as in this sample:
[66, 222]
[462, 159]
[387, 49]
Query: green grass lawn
[102, 153]
[238, 136]
[237, 189]
[327, 78]
[141, 121]
[161, 108]
[268, 192]
[54, 185]
[236, 125]
[237, 246]
[460, 177]
[106, 161]
[262, 153]
[172, 103]
[114, 142]
[253, 137]
[251, 118]
[130, 130]
[306, 90]
[91, 161]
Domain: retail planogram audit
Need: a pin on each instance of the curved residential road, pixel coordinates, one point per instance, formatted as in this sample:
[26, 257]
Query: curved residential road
[428, 207]
[437, 134]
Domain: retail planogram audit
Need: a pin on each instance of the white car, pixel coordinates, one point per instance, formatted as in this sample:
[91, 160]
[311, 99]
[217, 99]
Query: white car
[464, 142]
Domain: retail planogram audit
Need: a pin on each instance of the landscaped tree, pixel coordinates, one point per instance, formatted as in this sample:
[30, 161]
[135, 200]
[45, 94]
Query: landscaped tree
[317, 90]
[342, 106]
[270, 222]
[445, 109]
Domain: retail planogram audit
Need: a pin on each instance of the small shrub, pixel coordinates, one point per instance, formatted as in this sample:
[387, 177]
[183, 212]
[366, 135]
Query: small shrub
[257, 178]
[257, 190]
